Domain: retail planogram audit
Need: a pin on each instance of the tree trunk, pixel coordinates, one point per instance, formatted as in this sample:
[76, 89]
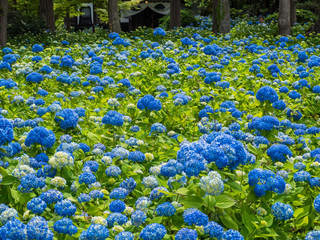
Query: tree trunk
[3, 22]
[221, 16]
[113, 12]
[175, 20]
[293, 12]
[284, 17]
[46, 11]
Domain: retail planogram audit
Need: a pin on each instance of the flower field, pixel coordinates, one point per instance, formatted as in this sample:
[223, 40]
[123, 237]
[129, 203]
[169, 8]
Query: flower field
[160, 135]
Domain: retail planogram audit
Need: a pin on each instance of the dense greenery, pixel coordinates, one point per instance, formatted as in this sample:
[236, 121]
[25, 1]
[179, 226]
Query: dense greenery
[163, 122]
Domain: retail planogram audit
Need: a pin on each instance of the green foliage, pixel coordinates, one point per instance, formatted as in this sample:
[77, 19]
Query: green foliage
[306, 16]
[187, 19]
[303, 16]
[101, 8]
[22, 23]
[204, 6]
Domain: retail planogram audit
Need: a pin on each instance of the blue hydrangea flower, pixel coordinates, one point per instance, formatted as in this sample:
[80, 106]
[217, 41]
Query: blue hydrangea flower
[96, 232]
[265, 180]
[13, 229]
[6, 131]
[314, 182]
[302, 176]
[124, 236]
[186, 234]
[113, 118]
[95, 194]
[264, 123]
[65, 226]
[117, 206]
[232, 235]
[267, 93]
[213, 229]
[159, 31]
[65, 208]
[34, 77]
[194, 216]
[294, 95]
[154, 231]
[138, 217]
[136, 156]
[51, 196]
[42, 136]
[158, 128]
[165, 209]
[37, 228]
[116, 217]
[37, 48]
[87, 178]
[129, 184]
[279, 104]
[279, 152]
[67, 118]
[313, 235]
[282, 211]
[150, 103]
[113, 171]
[83, 198]
[36, 205]
[30, 181]
[118, 193]
[171, 168]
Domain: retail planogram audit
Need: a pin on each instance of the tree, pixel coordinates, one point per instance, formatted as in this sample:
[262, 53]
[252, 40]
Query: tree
[293, 12]
[221, 16]
[315, 27]
[284, 17]
[46, 11]
[3, 22]
[175, 20]
[113, 13]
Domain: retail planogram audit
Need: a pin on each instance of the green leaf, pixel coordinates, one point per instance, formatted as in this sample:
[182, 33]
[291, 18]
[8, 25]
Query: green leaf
[267, 235]
[26, 197]
[224, 201]
[248, 218]
[303, 222]
[182, 191]
[209, 201]
[167, 193]
[93, 137]
[15, 194]
[235, 186]
[301, 212]
[156, 220]
[3, 150]
[9, 180]
[192, 202]
[180, 138]
[229, 222]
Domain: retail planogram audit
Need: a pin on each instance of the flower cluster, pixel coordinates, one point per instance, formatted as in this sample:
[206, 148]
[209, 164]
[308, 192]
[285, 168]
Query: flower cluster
[150, 103]
[42, 136]
[282, 211]
[67, 118]
[265, 180]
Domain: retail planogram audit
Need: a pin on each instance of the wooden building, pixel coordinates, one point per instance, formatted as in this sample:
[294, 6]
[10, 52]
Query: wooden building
[146, 13]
